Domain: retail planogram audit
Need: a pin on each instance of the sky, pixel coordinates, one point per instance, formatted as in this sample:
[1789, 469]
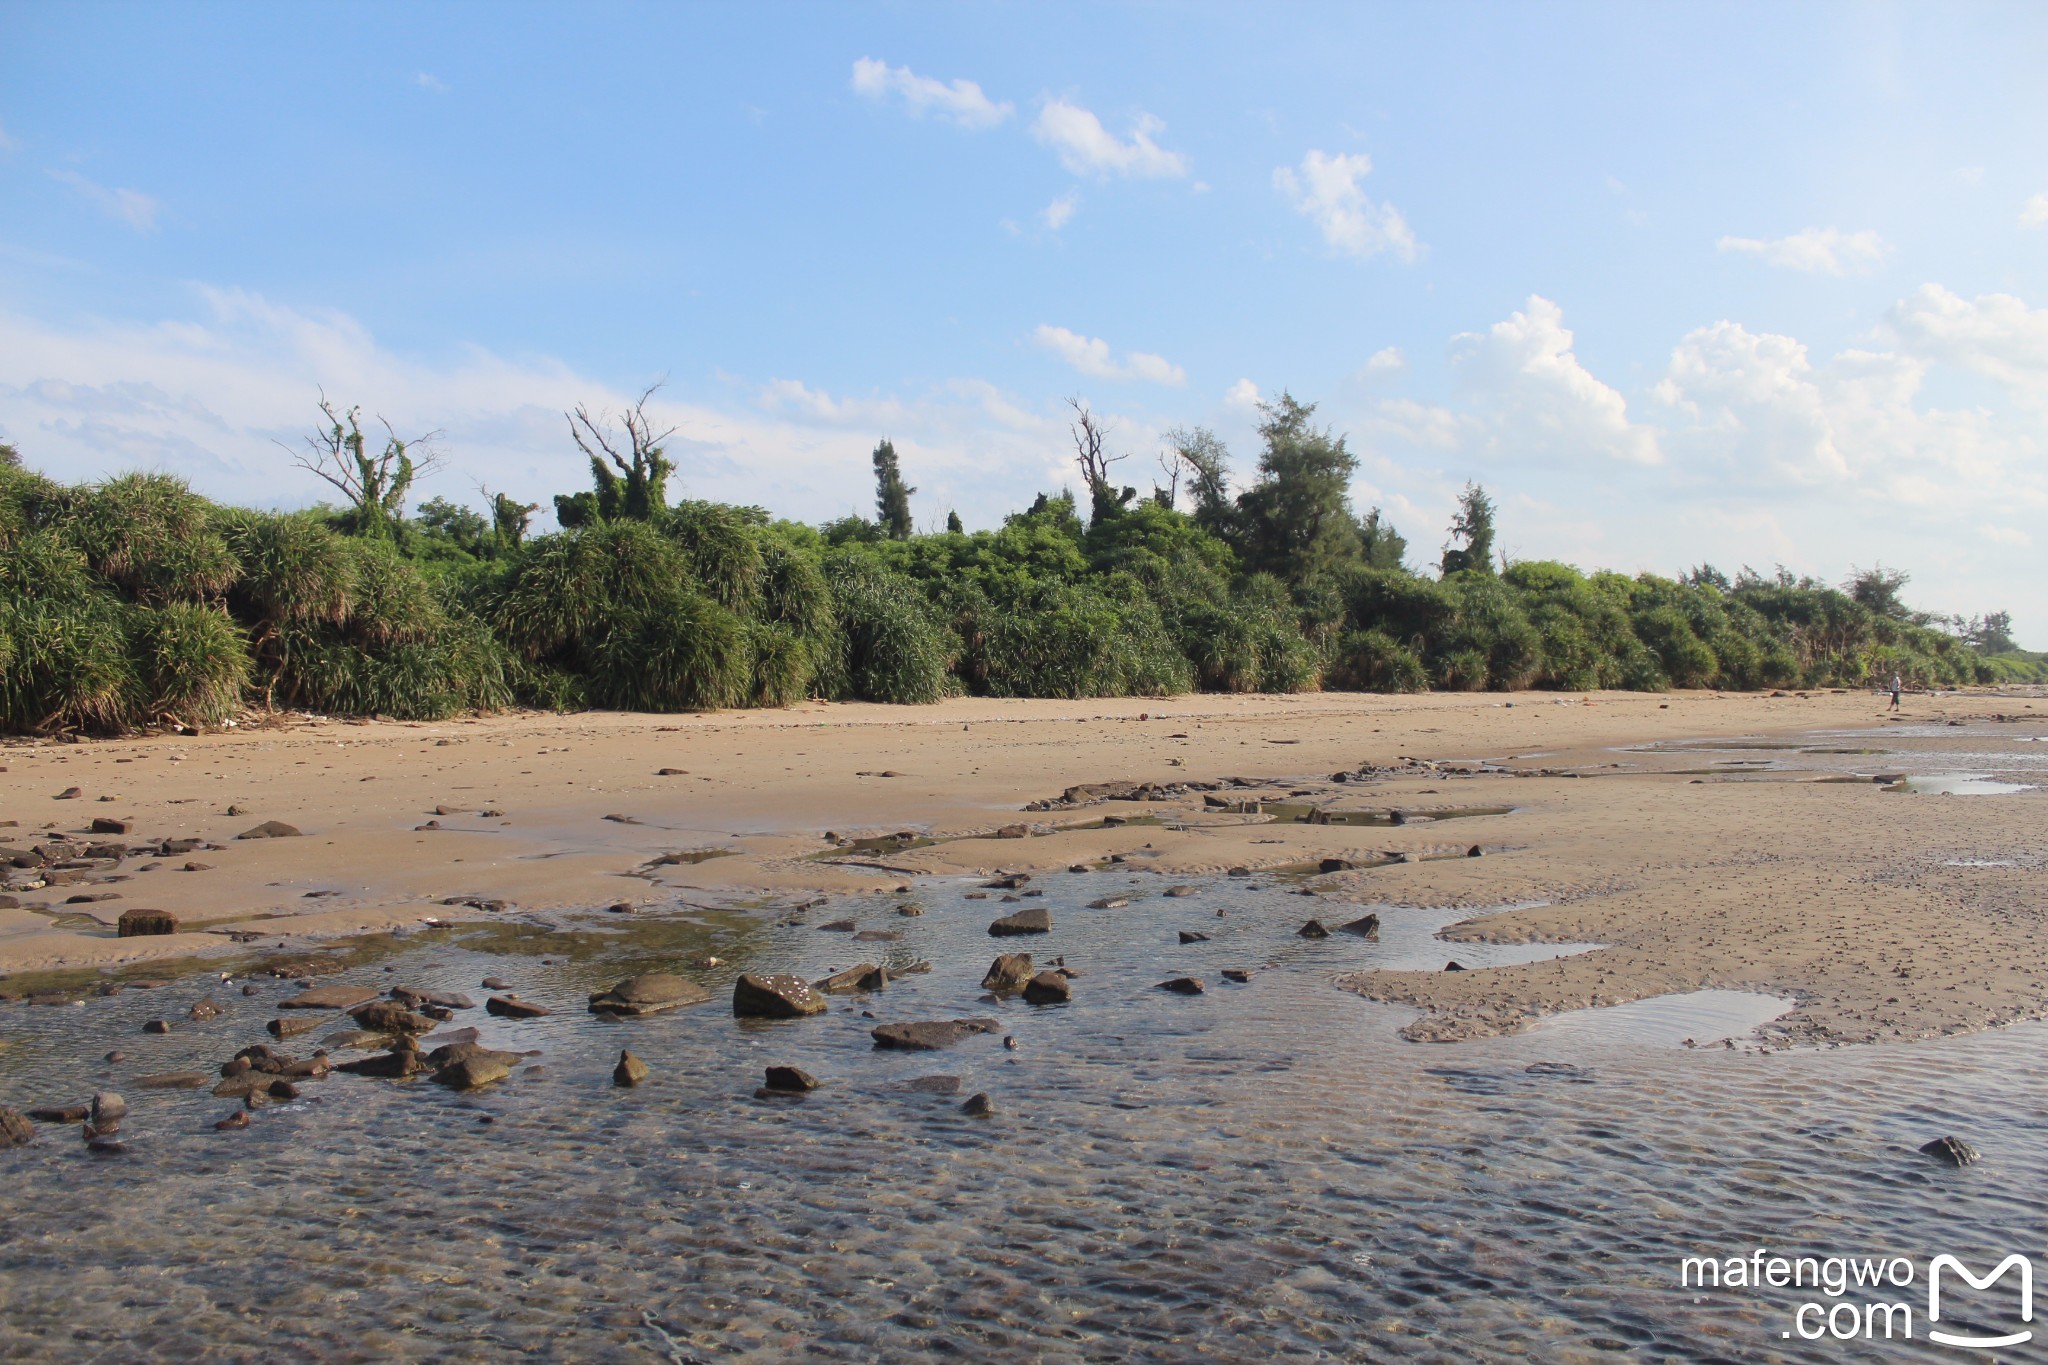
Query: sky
[1727, 283]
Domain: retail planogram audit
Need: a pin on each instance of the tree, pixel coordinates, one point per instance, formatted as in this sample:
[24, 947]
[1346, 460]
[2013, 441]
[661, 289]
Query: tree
[375, 485]
[1296, 519]
[1104, 501]
[1379, 544]
[892, 498]
[954, 526]
[1877, 591]
[638, 490]
[1206, 461]
[1991, 633]
[1474, 526]
[510, 519]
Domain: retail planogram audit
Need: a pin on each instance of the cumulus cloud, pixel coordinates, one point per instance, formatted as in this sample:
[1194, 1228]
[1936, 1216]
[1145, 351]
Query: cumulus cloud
[1061, 210]
[1996, 335]
[1085, 147]
[1825, 251]
[1243, 394]
[1542, 401]
[1327, 190]
[961, 102]
[132, 207]
[2034, 213]
[1386, 360]
[1091, 356]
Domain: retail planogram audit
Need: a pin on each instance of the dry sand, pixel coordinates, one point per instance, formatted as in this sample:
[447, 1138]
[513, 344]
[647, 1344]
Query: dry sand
[1853, 901]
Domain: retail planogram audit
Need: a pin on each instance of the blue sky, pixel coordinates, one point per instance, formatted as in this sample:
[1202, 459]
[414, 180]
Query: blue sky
[1743, 283]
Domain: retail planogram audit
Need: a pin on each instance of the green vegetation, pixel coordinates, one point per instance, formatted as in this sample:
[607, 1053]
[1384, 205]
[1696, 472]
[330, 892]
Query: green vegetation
[134, 601]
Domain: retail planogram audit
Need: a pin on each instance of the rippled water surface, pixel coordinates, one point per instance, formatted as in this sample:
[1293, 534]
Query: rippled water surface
[1263, 1171]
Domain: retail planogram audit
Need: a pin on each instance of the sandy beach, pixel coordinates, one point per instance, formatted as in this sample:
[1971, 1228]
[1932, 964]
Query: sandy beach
[1885, 915]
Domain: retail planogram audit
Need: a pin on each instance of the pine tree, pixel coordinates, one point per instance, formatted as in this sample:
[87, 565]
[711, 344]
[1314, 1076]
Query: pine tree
[892, 497]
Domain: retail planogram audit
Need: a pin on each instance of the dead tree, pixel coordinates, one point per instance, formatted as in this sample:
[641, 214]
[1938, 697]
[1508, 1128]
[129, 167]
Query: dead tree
[375, 485]
[1104, 500]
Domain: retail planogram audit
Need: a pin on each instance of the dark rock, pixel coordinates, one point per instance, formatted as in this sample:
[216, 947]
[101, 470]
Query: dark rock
[630, 1071]
[157, 1026]
[282, 1090]
[104, 824]
[270, 829]
[910, 911]
[1366, 926]
[878, 936]
[1048, 988]
[1454, 966]
[1239, 872]
[388, 1016]
[840, 926]
[978, 1106]
[15, 1129]
[876, 979]
[420, 999]
[1014, 832]
[203, 1010]
[1335, 865]
[1951, 1151]
[291, 1028]
[1008, 972]
[1475, 852]
[329, 998]
[61, 1113]
[108, 1109]
[238, 1119]
[1313, 929]
[1190, 936]
[930, 1035]
[1237, 974]
[1109, 903]
[648, 993]
[1009, 881]
[385, 1065]
[449, 1054]
[849, 980]
[774, 995]
[144, 923]
[492, 983]
[473, 1072]
[1182, 985]
[507, 1008]
[173, 1080]
[790, 1080]
[1181, 890]
[68, 794]
[1036, 920]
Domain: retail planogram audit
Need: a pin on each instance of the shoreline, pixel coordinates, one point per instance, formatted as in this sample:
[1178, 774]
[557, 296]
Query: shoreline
[1782, 881]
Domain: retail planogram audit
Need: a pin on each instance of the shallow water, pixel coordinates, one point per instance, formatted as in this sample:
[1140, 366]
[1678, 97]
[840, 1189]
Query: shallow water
[1264, 1171]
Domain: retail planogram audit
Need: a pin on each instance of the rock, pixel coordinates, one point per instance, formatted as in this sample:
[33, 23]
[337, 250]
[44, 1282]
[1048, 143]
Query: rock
[1190, 936]
[1313, 929]
[774, 995]
[385, 1065]
[910, 911]
[270, 829]
[282, 1090]
[1181, 890]
[388, 1016]
[1014, 832]
[648, 993]
[1009, 881]
[621, 908]
[878, 936]
[492, 983]
[1048, 988]
[790, 1080]
[1951, 1151]
[173, 1080]
[1454, 966]
[202, 1010]
[1109, 903]
[876, 979]
[238, 1119]
[630, 1071]
[102, 1144]
[1008, 972]
[329, 998]
[1237, 974]
[68, 794]
[849, 980]
[507, 1008]
[103, 824]
[840, 926]
[1036, 920]
[157, 1026]
[61, 1113]
[1239, 872]
[15, 1129]
[1182, 985]
[978, 1106]
[1475, 852]
[1366, 926]
[930, 1035]
[473, 1072]
[144, 923]
[934, 1085]
[281, 1029]
[419, 999]
[449, 1037]
[107, 1111]
[1335, 865]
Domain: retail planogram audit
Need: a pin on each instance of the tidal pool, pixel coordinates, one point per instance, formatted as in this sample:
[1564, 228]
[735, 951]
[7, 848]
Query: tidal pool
[1263, 1172]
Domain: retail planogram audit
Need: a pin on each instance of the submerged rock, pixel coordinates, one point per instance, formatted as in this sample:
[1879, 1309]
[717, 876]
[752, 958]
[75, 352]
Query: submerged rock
[1191, 936]
[934, 1085]
[1048, 988]
[1313, 929]
[453, 1054]
[930, 1035]
[774, 995]
[1182, 985]
[1951, 1151]
[849, 980]
[329, 998]
[648, 993]
[15, 1129]
[790, 1080]
[473, 1072]
[1182, 891]
[1036, 920]
[1008, 972]
[507, 1008]
[388, 1016]
[1366, 926]
[630, 1071]
[1237, 974]
[979, 1106]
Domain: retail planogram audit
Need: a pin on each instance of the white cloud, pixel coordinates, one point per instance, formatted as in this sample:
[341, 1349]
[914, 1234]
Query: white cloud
[1996, 335]
[428, 81]
[1826, 251]
[1386, 360]
[1085, 147]
[1545, 404]
[2034, 213]
[1091, 356]
[1061, 210]
[2006, 535]
[1242, 394]
[961, 102]
[1326, 189]
[132, 207]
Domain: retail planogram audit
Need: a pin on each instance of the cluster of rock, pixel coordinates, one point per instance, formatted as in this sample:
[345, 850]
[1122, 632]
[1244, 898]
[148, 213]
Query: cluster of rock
[56, 863]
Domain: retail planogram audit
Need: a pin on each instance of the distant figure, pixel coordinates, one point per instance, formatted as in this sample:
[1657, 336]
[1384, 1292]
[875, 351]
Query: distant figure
[1897, 685]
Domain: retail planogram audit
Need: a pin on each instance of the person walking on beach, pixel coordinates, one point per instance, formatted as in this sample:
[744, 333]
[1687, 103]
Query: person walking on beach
[1897, 684]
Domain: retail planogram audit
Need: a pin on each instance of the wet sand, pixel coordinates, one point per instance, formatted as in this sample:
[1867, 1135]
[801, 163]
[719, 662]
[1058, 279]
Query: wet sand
[1884, 915]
